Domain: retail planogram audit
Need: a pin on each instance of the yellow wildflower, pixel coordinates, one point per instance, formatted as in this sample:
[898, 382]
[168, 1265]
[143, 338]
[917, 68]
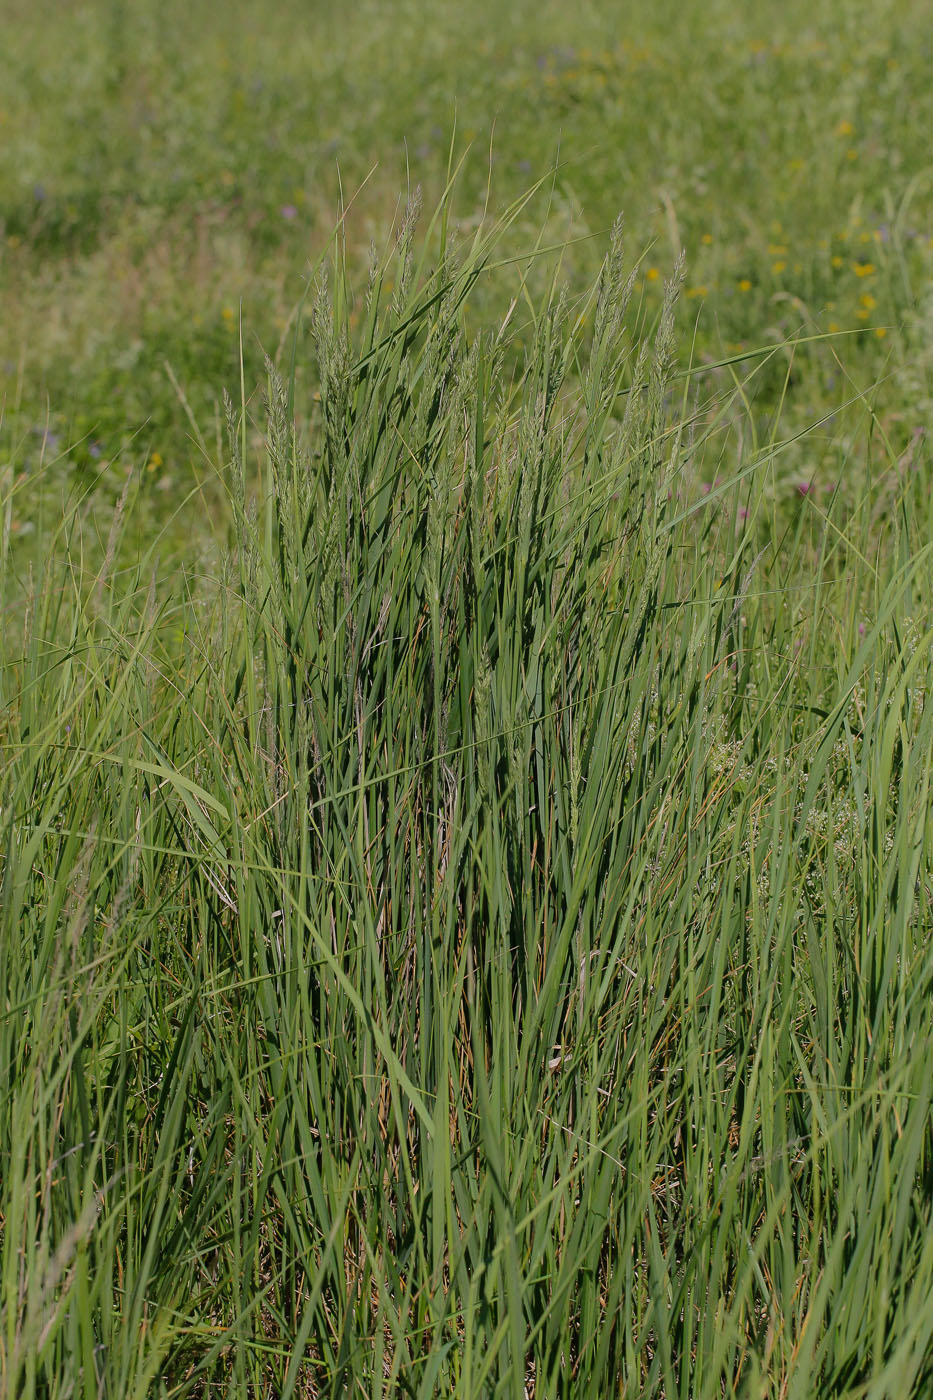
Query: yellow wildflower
[868, 301]
[779, 266]
[745, 285]
[652, 274]
[864, 269]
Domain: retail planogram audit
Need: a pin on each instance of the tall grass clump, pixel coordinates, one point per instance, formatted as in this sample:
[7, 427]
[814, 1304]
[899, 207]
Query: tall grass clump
[475, 942]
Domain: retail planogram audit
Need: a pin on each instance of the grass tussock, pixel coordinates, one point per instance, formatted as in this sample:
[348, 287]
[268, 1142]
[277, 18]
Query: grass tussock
[477, 941]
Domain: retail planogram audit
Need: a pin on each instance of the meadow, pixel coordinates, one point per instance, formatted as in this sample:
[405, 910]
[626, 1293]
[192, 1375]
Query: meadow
[466, 559]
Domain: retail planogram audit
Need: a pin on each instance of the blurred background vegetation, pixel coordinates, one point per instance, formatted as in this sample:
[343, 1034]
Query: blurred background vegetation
[164, 168]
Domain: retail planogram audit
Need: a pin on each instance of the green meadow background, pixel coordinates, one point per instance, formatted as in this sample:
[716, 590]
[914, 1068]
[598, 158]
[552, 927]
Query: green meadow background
[465, 857]
[160, 167]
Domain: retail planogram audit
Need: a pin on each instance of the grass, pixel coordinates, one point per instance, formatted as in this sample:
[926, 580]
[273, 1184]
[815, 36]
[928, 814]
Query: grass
[466, 872]
[159, 168]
